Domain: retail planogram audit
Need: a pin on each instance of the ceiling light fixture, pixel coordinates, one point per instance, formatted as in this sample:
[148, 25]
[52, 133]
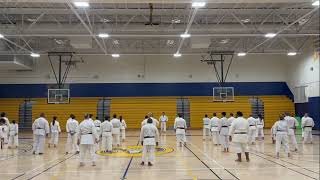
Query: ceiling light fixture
[245, 20]
[242, 54]
[170, 42]
[1, 36]
[176, 21]
[185, 35]
[198, 4]
[115, 55]
[270, 35]
[292, 53]
[316, 3]
[35, 55]
[81, 4]
[177, 55]
[103, 35]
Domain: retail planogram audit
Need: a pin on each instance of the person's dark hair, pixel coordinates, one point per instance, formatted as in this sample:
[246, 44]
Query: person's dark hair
[146, 117]
[2, 121]
[224, 113]
[231, 114]
[214, 114]
[54, 120]
[71, 116]
[13, 121]
[239, 114]
[114, 116]
[107, 118]
[97, 117]
[42, 115]
[180, 115]
[150, 121]
[120, 118]
[3, 114]
[90, 115]
[260, 116]
[86, 116]
[206, 115]
[281, 117]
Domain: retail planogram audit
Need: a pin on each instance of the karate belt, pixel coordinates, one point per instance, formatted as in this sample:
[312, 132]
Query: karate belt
[307, 126]
[214, 126]
[292, 127]
[106, 131]
[97, 126]
[148, 137]
[252, 125]
[180, 128]
[240, 133]
[281, 130]
[86, 134]
[40, 128]
[205, 124]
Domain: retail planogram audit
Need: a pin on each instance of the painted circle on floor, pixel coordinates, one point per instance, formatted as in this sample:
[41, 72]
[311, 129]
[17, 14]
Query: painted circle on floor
[134, 151]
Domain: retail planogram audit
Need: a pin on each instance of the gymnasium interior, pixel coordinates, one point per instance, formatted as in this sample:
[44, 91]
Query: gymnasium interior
[134, 57]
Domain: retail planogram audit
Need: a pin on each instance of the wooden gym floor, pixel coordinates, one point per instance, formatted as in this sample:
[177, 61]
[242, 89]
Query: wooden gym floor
[198, 160]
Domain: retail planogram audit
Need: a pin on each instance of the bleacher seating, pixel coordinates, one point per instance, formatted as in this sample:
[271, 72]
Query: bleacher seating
[134, 109]
[11, 107]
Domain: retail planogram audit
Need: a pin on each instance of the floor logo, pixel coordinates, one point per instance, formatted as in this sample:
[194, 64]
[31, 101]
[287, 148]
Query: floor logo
[134, 151]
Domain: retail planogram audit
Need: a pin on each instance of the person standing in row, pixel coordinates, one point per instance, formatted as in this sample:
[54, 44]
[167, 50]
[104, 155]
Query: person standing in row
[149, 138]
[116, 124]
[231, 119]
[123, 128]
[55, 130]
[282, 129]
[214, 127]
[238, 135]
[163, 119]
[87, 137]
[72, 128]
[307, 124]
[6, 129]
[13, 135]
[224, 132]
[40, 129]
[3, 130]
[155, 122]
[260, 126]
[97, 124]
[292, 124]
[206, 127]
[252, 130]
[106, 140]
[180, 127]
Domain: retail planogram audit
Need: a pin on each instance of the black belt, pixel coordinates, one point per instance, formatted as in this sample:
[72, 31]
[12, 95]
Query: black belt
[240, 133]
[214, 126]
[307, 126]
[180, 128]
[224, 126]
[148, 137]
[281, 131]
[252, 125]
[39, 128]
[205, 124]
[97, 126]
[106, 131]
[86, 134]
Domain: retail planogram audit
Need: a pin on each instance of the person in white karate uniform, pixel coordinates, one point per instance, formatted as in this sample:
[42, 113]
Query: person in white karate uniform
[6, 129]
[273, 133]
[163, 119]
[224, 132]
[149, 138]
[214, 127]
[40, 129]
[72, 128]
[238, 134]
[307, 124]
[106, 130]
[231, 119]
[252, 130]
[292, 124]
[97, 124]
[87, 137]
[123, 128]
[55, 130]
[3, 130]
[206, 127]
[260, 126]
[13, 135]
[282, 129]
[116, 125]
[155, 122]
[180, 127]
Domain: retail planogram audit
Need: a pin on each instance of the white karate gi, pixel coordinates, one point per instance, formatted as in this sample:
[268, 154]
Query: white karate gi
[282, 129]
[6, 130]
[180, 126]
[260, 126]
[106, 130]
[163, 119]
[72, 128]
[87, 136]
[292, 124]
[252, 130]
[40, 128]
[239, 130]
[13, 135]
[2, 134]
[206, 128]
[224, 132]
[214, 127]
[155, 122]
[97, 124]
[123, 129]
[55, 130]
[149, 135]
[307, 124]
[231, 119]
[116, 124]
